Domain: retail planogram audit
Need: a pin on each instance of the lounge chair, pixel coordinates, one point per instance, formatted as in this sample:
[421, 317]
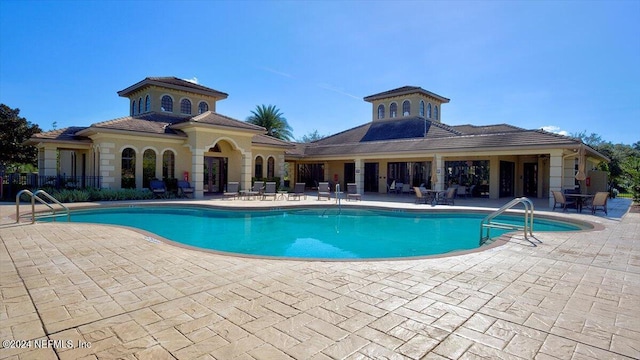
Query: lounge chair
[398, 187]
[298, 191]
[256, 190]
[560, 200]
[158, 188]
[270, 190]
[324, 191]
[352, 192]
[232, 190]
[406, 188]
[420, 196]
[448, 197]
[599, 201]
[184, 189]
[462, 191]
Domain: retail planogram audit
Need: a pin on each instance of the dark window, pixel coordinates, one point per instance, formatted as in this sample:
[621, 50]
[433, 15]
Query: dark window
[393, 110]
[148, 167]
[406, 108]
[147, 104]
[140, 106]
[380, 111]
[167, 103]
[128, 172]
[271, 167]
[168, 165]
[429, 110]
[203, 107]
[185, 106]
[258, 168]
[133, 107]
[421, 111]
[435, 112]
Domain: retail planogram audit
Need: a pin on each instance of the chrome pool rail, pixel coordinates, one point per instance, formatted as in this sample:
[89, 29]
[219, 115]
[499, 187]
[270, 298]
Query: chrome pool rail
[488, 223]
[35, 196]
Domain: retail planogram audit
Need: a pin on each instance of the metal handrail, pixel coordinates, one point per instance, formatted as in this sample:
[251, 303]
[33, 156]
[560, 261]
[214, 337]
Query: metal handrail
[34, 197]
[488, 223]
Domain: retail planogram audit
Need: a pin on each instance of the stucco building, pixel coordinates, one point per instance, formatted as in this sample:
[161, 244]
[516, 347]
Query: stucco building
[174, 131]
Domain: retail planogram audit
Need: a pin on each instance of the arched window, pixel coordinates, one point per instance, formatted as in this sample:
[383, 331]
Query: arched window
[203, 107]
[148, 167]
[393, 110]
[380, 111]
[258, 168]
[139, 106]
[168, 165]
[147, 104]
[429, 111]
[421, 110]
[271, 167]
[128, 171]
[435, 112]
[406, 108]
[185, 106]
[167, 103]
[133, 108]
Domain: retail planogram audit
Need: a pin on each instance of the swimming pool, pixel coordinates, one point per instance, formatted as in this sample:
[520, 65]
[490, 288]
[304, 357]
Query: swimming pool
[311, 233]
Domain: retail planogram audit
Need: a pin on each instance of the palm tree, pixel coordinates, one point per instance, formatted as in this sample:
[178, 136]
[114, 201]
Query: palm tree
[270, 118]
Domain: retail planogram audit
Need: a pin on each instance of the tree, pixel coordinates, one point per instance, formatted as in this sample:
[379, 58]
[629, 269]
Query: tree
[14, 130]
[312, 136]
[270, 118]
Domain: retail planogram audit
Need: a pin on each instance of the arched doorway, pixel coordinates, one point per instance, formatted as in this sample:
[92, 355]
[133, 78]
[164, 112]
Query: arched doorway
[215, 171]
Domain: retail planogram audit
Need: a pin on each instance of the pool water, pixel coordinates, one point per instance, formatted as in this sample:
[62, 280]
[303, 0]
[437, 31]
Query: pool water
[311, 233]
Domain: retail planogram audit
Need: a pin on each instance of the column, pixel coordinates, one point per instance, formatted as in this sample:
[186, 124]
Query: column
[281, 170]
[247, 171]
[197, 173]
[359, 165]
[439, 172]
[555, 174]
[107, 165]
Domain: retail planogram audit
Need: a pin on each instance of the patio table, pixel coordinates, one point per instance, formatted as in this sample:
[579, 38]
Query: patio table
[581, 199]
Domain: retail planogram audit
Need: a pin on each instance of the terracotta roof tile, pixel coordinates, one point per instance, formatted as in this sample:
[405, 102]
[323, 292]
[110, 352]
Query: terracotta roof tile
[222, 120]
[65, 134]
[405, 90]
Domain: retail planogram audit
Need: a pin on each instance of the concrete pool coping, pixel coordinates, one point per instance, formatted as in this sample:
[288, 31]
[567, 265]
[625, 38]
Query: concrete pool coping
[577, 295]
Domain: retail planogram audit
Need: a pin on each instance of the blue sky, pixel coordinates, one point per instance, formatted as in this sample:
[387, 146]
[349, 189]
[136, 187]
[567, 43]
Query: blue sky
[570, 65]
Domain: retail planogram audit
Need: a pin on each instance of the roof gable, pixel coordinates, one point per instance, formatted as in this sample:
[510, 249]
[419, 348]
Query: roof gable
[172, 82]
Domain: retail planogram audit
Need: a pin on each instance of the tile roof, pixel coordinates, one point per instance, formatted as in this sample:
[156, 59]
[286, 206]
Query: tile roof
[152, 123]
[65, 134]
[212, 118]
[439, 137]
[173, 82]
[270, 140]
[405, 90]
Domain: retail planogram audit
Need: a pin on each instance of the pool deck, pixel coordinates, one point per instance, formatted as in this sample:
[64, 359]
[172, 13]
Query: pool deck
[116, 293]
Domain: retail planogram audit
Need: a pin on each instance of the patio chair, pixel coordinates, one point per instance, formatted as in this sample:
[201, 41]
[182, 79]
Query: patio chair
[421, 198]
[599, 201]
[232, 192]
[298, 191]
[559, 200]
[256, 189]
[399, 187]
[406, 188]
[158, 188]
[462, 191]
[352, 192]
[448, 197]
[270, 190]
[323, 190]
[184, 189]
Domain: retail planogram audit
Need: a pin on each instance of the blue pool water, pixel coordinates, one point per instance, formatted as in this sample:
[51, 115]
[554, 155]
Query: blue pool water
[311, 233]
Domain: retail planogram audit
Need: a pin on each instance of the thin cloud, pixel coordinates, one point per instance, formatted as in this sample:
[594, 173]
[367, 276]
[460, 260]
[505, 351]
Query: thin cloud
[276, 72]
[336, 90]
[555, 129]
[193, 80]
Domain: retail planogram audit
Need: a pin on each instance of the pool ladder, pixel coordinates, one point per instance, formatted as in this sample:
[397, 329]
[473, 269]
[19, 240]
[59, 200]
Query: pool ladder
[36, 196]
[488, 222]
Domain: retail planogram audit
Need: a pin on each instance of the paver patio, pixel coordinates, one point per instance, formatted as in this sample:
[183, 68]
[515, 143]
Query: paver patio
[576, 296]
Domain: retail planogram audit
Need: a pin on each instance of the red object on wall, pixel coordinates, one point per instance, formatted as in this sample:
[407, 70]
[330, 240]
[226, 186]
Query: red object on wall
[588, 181]
[185, 176]
[335, 177]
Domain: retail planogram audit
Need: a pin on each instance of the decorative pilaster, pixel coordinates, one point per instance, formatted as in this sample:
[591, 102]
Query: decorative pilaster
[359, 165]
[555, 174]
[107, 165]
[197, 173]
[245, 175]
